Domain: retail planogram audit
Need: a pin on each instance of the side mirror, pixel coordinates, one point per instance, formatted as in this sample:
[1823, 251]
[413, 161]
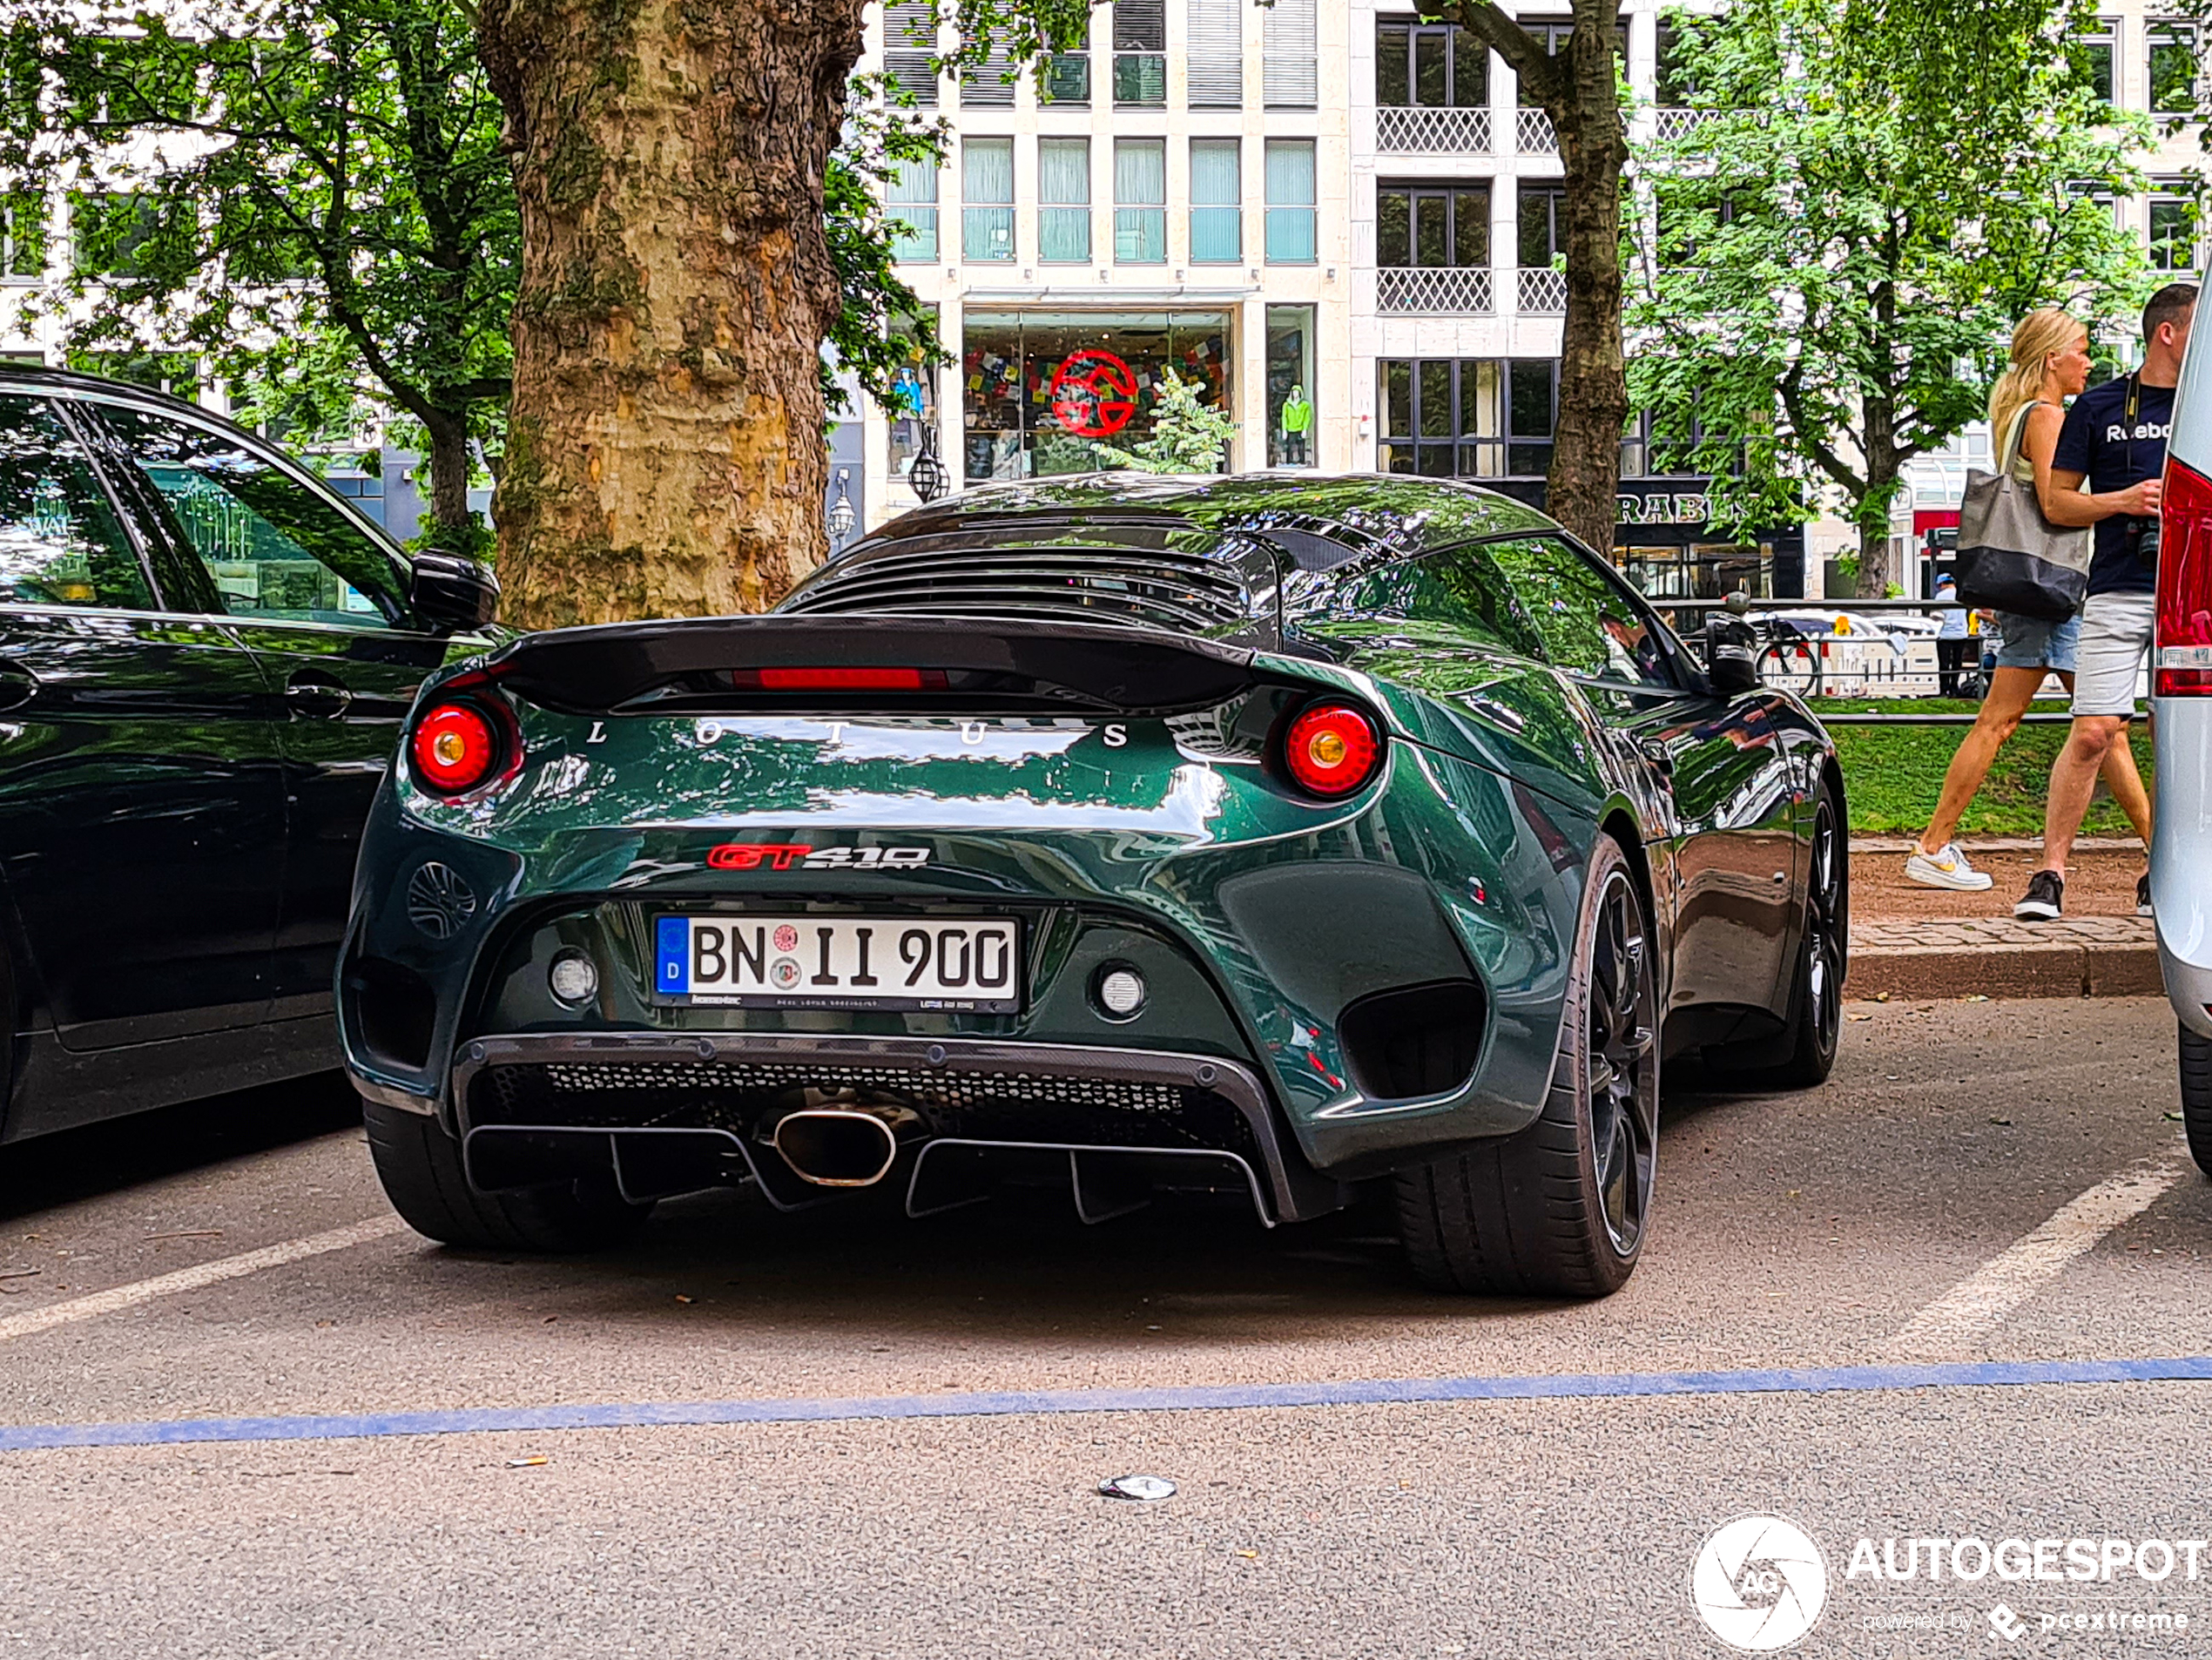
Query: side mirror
[1732, 649]
[450, 594]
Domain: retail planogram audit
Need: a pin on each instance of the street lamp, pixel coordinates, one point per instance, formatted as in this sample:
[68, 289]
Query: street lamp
[841, 516]
[926, 473]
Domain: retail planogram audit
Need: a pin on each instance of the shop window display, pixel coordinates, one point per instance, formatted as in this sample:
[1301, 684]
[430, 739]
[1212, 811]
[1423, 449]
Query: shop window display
[1291, 436]
[1042, 389]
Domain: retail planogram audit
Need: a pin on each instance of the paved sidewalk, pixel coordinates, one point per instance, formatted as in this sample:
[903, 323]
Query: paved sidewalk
[2081, 956]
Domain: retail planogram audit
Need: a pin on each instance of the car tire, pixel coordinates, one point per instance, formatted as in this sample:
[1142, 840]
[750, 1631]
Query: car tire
[2196, 1097]
[1560, 1209]
[1807, 1050]
[420, 1166]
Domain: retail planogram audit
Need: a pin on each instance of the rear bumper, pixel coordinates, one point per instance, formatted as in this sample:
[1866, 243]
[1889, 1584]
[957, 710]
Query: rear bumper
[626, 1089]
[2181, 864]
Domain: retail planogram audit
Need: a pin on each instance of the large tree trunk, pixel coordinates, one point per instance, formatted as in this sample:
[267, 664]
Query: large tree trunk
[665, 452]
[1875, 507]
[1593, 372]
[447, 463]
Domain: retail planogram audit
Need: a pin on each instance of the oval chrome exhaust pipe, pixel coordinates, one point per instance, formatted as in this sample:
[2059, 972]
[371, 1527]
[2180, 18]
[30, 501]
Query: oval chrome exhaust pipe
[836, 1146]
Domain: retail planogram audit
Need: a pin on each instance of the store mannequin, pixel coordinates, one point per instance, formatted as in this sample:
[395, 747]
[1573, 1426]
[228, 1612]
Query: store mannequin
[1298, 421]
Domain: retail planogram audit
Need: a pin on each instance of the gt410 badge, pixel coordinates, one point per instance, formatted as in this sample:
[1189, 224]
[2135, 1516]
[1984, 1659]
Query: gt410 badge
[787, 856]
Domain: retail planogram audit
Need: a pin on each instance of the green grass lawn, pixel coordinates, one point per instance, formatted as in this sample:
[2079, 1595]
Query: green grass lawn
[1893, 774]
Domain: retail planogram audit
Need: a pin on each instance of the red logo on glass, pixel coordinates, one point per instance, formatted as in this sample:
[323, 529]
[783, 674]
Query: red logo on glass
[1094, 394]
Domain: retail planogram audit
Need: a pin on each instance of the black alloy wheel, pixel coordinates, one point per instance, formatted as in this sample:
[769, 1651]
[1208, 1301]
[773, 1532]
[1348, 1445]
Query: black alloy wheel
[1622, 1063]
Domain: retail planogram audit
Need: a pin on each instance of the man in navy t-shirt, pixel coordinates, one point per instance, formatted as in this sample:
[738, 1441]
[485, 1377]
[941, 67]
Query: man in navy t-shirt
[2105, 472]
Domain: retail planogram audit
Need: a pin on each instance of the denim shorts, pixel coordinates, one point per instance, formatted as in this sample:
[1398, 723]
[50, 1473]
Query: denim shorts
[2031, 643]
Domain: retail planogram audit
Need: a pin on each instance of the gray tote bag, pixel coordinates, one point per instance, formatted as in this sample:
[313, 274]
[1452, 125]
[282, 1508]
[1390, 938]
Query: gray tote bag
[2011, 558]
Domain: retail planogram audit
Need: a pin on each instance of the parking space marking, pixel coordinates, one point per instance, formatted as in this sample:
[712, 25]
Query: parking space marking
[1973, 1308]
[1041, 1403]
[33, 1320]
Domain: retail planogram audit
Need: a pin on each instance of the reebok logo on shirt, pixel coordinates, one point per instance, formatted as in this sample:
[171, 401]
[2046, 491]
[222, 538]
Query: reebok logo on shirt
[2116, 434]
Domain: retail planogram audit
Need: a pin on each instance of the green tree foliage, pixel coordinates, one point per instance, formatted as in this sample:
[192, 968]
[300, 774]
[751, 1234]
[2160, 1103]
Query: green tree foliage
[1837, 265]
[252, 186]
[1189, 435]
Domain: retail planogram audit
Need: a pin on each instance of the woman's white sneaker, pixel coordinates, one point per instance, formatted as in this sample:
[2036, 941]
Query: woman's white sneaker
[1947, 867]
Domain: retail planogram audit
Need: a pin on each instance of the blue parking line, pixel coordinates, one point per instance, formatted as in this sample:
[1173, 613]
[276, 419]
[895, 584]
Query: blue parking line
[1847, 1380]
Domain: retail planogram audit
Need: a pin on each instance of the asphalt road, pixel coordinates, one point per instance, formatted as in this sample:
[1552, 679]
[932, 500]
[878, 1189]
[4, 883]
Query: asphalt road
[1999, 1185]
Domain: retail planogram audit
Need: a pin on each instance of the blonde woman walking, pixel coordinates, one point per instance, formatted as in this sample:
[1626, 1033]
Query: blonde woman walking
[2050, 362]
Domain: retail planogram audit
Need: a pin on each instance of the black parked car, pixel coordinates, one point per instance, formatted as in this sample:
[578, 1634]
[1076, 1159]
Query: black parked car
[205, 655]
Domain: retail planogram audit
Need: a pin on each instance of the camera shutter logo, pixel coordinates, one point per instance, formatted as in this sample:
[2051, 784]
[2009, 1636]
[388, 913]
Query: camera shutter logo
[1759, 1583]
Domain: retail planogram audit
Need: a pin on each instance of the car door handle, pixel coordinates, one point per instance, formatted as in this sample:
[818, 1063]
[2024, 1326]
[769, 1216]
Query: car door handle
[18, 685]
[317, 699]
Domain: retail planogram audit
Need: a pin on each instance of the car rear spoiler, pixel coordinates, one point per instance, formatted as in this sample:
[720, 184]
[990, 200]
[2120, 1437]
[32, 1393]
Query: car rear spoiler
[714, 663]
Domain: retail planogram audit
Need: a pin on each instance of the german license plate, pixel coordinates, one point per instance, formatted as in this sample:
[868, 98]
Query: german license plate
[972, 963]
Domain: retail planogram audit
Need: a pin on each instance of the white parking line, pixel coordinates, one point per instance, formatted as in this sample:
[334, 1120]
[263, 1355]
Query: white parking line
[208, 1274]
[1973, 1308]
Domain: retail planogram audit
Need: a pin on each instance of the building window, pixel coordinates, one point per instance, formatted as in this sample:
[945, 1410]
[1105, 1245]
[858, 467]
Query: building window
[909, 43]
[1432, 226]
[1543, 236]
[2100, 55]
[1468, 417]
[1672, 87]
[913, 393]
[1217, 197]
[1064, 201]
[1064, 77]
[109, 234]
[22, 234]
[1214, 53]
[1288, 55]
[1140, 53]
[2170, 51]
[2172, 232]
[1291, 436]
[912, 203]
[1025, 417]
[1140, 201]
[987, 195]
[989, 85]
[1429, 67]
[1290, 201]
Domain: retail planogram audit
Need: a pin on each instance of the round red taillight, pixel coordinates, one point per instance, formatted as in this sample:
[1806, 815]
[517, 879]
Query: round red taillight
[455, 748]
[1331, 749]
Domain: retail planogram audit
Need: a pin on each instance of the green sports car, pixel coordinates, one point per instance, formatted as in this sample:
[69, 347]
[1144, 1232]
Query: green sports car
[1272, 836]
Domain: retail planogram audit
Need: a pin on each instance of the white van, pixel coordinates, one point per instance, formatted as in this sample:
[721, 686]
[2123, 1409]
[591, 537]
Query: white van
[2181, 864]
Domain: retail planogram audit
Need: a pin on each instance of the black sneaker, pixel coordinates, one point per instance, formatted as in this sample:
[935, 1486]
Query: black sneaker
[2143, 894]
[2044, 900]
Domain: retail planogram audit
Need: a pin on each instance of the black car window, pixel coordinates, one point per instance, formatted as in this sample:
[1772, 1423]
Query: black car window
[1589, 623]
[272, 546]
[60, 541]
[1459, 589]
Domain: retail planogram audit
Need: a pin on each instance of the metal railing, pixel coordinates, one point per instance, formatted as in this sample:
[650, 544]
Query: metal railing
[1403, 130]
[1435, 291]
[1540, 291]
[1532, 133]
[1880, 650]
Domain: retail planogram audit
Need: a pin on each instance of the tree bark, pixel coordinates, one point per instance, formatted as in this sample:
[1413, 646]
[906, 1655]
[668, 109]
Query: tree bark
[665, 451]
[447, 464]
[1583, 493]
[1580, 92]
[1875, 507]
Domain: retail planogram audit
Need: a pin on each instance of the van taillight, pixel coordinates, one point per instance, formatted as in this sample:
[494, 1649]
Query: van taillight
[2181, 659]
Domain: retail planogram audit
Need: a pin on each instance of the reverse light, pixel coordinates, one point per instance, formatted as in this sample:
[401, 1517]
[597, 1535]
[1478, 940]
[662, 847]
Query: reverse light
[455, 748]
[1330, 750]
[2181, 655]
